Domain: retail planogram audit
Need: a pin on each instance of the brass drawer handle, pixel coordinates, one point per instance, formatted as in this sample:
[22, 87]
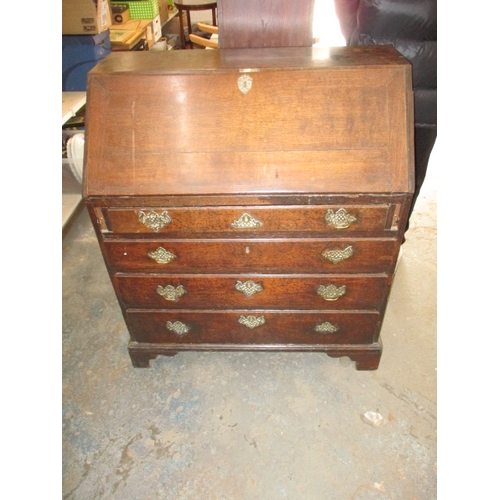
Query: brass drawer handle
[331, 292]
[162, 256]
[337, 255]
[248, 288]
[170, 292]
[154, 221]
[252, 321]
[246, 221]
[326, 327]
[339, 219]
[177, 327]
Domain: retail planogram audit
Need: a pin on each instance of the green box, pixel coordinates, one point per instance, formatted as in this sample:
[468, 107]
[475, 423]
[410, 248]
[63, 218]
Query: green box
[140, 9]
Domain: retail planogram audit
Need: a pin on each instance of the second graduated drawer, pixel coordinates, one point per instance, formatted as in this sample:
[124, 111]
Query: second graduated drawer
[360, 255]
[252, 291]
[255, 219]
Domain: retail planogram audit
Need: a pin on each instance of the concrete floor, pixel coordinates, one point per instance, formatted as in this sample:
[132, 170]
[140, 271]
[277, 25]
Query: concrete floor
[247, 426]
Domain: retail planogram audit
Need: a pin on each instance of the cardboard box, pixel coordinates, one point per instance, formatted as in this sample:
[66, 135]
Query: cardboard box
[85, 17]
[156, 26]
[140, 9]
[120, 13]
[164, 11]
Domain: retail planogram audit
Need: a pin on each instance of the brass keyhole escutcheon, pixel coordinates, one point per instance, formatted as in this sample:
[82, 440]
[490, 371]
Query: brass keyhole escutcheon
[246, 221]
[245, 83]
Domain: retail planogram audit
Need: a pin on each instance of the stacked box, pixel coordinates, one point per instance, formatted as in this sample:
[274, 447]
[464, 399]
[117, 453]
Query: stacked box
[85, 17]
[140, 9]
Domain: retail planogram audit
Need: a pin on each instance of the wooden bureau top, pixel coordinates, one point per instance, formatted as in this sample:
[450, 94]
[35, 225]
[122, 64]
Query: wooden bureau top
[314, 120]
[299, 58]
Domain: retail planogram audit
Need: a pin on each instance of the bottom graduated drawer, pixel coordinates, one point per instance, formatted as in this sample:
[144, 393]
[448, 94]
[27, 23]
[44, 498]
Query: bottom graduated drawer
[253, 327]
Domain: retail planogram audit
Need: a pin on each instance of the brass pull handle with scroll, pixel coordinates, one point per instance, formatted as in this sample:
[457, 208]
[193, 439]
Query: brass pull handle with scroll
[326, 327]
[177, 327]
[153, 220]
[337, 255]
[331, 292]
[162, 256]
[341, 219]
[170, 292]
[251, 321]
[248, 288]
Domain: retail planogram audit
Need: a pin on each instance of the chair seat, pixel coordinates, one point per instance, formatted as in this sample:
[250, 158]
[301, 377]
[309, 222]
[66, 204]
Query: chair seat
[210, 39]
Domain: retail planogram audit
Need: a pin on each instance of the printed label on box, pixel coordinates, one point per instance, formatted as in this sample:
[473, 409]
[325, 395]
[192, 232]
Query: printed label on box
[104, 17]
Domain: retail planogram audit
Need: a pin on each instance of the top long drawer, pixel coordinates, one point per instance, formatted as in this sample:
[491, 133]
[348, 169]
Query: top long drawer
[251, 219]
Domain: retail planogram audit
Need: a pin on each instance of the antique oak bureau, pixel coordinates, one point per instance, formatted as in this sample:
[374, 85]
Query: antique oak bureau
[251, 199]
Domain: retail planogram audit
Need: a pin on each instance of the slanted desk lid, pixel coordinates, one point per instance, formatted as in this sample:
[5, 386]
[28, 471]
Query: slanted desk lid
[286, 120]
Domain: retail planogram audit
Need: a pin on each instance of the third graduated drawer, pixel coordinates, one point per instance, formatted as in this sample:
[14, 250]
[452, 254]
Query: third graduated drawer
[322, 291]
[347, 255]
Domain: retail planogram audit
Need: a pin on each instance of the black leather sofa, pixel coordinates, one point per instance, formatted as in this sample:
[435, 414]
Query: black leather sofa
[411, 27]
